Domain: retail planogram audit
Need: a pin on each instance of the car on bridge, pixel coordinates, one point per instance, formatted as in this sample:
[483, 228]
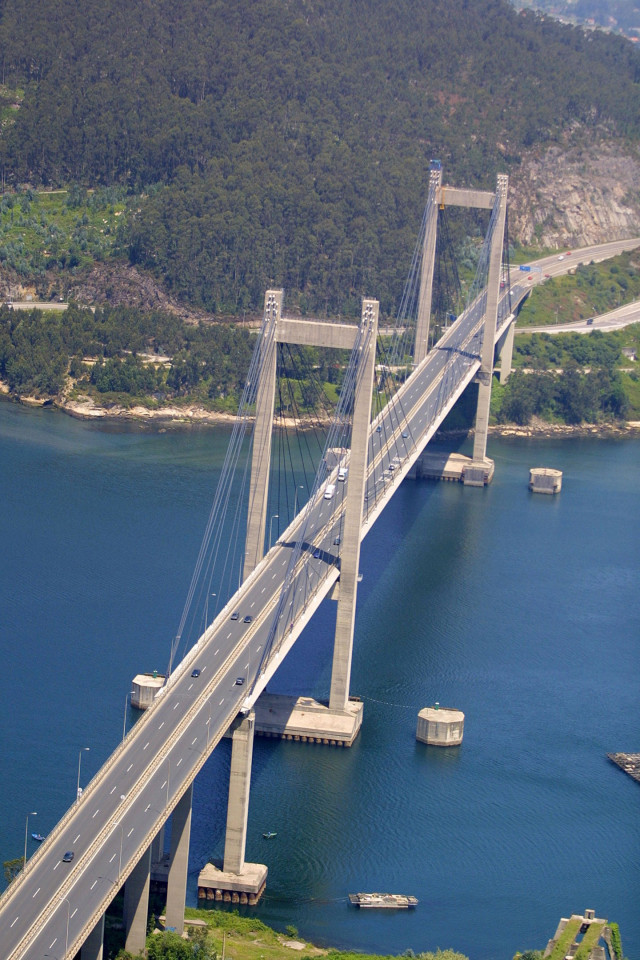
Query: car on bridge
[239, 681]
[248, 619]
[235, 615]
[68, 856]
[195, 673]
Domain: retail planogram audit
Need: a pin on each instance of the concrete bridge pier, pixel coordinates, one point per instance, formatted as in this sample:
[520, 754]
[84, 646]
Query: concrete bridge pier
[506, 353]
[93, 947]
[234, 879]
[480, 470]
[136, 904]
[350, 555]
[179, 862]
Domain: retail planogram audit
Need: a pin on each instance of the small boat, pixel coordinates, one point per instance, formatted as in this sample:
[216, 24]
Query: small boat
[270, 835]
[383, 901]
[38, 837]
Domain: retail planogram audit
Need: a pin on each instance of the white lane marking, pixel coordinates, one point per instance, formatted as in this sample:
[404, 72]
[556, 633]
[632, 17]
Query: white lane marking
[16, 920]
[193, 741]
[203, 670]
[147, 807]
[57, 865]
[161, 725]
[112, 858]
[179, 762]
[112, 789]
[36, 893]
[163, 785]
[93, 884]
[73, 914]
[146, 745]
[129, 767]
[253, 604]
[94, 814]
[259, 648]
[189, 687]
[77, 838]
[221, 702]
[218, 650]
[177, 705]
[274, 576]
[229, 634]
[51, 944]
[263, 590]
[130, 831]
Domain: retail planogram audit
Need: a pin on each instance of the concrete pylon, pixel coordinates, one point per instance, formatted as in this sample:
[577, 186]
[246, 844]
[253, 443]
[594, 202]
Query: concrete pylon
[136, 904]
[506, 353]
[421, 346]
[179, 862]
[261, 454]
[350, 555]
[239, 786]
[485, 374]
[93, 947]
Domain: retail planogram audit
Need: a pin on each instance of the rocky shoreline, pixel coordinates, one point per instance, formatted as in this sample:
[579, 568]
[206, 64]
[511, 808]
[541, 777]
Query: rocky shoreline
[194, 415]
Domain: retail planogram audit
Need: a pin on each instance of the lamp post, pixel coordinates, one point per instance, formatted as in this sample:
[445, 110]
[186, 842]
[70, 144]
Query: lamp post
[295, 500]
[34, 813]
[124, 722]
[80, 752]
[276, 516]
[66, 947]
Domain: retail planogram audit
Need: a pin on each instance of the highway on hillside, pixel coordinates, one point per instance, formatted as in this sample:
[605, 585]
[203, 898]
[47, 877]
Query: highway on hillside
[52, 906]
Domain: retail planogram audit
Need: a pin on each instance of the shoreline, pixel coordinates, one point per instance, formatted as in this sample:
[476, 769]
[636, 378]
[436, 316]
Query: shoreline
[194, 415]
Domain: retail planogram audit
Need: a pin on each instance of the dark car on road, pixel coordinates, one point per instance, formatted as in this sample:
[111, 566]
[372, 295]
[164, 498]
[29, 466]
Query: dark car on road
[68, 857]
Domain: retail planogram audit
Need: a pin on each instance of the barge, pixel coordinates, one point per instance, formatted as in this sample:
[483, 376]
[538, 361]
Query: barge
[382, 901]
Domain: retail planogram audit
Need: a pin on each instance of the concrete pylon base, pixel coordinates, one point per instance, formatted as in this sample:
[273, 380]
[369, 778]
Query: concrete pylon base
[244, 887]
[478, 473]
[306, 720]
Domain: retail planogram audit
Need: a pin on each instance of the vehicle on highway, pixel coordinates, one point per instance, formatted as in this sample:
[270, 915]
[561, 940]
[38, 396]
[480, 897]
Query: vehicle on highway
[248, 619]
[234, 616]
[342, 473]
[379, 429]
[405, 434]
[239, 681]
[589, 321]
[329, 492]
[195, 673]
[561, 257]
[68, 857]
[336, 541]
[317, 554]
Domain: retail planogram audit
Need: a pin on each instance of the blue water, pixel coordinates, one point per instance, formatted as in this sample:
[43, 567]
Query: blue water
[522, 611]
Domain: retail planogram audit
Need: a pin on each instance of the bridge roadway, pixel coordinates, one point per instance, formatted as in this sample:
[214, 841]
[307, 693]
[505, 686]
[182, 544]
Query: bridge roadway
[51, 907]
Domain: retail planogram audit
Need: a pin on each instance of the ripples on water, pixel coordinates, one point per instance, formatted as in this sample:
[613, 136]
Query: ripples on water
[522, 611]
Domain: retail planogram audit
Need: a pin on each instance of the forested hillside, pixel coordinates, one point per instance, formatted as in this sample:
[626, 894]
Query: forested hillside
[284, 142]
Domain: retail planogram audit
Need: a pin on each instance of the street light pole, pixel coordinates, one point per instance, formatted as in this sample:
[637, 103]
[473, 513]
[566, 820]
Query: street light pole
[34, 813]
[124, 722]
[295, 501]
[80, 752]
[275, 516]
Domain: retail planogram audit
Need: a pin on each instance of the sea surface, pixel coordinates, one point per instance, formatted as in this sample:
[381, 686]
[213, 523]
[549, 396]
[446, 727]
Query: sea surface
[523, 611]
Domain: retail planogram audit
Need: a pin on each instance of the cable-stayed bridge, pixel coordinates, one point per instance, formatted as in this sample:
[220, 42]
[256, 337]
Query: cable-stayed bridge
[55, 907]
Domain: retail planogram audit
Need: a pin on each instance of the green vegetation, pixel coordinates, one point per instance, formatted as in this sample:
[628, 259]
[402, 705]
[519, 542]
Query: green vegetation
[593, 289]
[616, 940]
[566, 938]
[288, 144]
[53, 231]
[247, 938]
[589, 941]
[12, 868]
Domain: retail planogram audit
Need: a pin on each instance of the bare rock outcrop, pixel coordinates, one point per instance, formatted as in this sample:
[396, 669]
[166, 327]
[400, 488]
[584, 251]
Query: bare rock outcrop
[576, 195]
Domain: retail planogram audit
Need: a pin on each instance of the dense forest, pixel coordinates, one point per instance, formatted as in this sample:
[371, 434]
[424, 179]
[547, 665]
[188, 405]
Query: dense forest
[288, 143]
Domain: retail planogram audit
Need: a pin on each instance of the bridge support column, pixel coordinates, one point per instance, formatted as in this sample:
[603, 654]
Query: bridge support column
[350, 556]
[261, 454]
[136, 904]
[239, 786]
[93, 947]
[479, 469]
[506, 353]
[421, 346]
[179, 862]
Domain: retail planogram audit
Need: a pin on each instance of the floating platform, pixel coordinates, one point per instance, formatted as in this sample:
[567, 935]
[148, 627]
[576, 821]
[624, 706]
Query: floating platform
[629, 762]
[382, 901]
